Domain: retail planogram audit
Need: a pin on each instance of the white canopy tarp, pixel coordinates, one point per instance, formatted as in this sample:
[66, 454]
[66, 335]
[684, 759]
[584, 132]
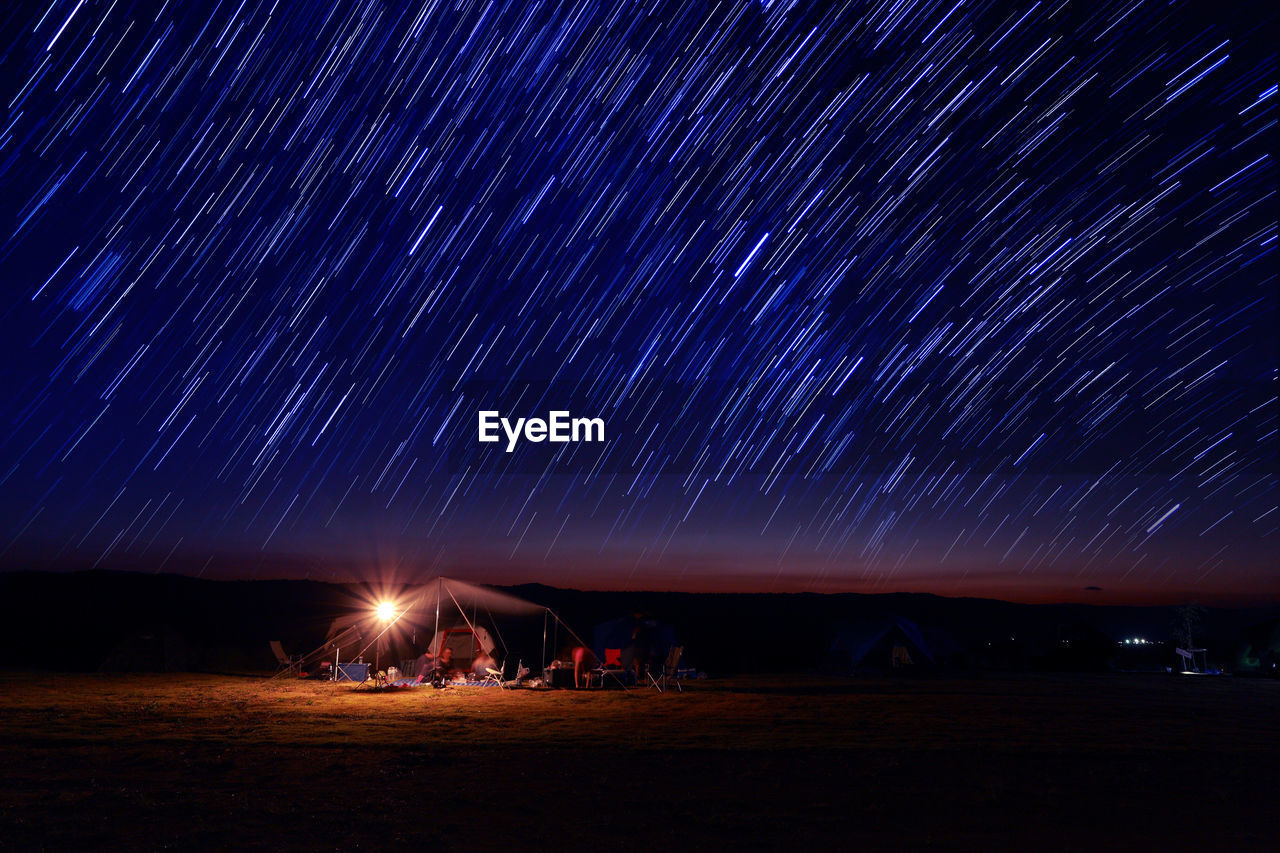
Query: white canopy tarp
[428, 610]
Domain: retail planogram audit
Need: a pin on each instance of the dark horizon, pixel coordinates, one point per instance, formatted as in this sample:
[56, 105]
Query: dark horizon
[991, 587]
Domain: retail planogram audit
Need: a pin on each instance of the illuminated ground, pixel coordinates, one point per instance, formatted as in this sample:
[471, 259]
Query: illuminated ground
[1008, 762]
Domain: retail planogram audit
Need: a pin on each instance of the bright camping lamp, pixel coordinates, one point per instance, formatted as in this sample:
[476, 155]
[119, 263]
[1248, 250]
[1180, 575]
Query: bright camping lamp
[386, 612]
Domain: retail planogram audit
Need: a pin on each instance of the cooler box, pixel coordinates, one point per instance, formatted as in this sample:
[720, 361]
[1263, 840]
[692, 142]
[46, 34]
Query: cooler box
[559, 677]
[352, 672]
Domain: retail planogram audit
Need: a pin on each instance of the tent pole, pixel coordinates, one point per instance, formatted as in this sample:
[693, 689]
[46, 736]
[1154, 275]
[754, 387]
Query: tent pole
[578, 639]
[475, 642]
[568, 630]
[506, 652]
[377, 638]
[436, 633]
[544, 637]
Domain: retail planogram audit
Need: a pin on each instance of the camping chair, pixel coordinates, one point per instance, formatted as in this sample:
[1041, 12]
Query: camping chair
[669, 674]
[610, 667]
[286, 662]
[521, 672]
[598, 676]
[491, 676]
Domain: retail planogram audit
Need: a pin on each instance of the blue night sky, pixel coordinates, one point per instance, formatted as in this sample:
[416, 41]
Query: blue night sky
[970, 298]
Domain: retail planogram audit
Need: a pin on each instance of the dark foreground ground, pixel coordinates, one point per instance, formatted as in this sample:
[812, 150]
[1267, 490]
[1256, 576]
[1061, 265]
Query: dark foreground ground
[1025, 763]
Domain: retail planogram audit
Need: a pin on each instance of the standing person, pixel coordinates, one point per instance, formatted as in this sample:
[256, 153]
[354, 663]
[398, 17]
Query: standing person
[584, 660]
[642, 644]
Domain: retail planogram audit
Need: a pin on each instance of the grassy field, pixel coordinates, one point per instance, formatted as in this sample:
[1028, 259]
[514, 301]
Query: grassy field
[1026, 762]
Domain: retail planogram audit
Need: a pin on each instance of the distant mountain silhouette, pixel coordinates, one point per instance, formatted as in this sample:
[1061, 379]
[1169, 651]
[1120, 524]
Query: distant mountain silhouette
[84, 620]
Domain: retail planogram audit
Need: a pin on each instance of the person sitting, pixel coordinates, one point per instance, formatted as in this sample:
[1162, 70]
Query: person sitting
[444, 667]
[482, 664]
[435, 668]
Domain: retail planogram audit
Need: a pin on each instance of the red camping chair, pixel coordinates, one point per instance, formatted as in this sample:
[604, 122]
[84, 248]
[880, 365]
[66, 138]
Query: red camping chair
[610, 667]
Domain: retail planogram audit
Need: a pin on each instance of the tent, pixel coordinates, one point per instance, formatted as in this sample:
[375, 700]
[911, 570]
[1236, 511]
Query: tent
[614, 642]
[466, 641]
[443, 613]
[881, 645]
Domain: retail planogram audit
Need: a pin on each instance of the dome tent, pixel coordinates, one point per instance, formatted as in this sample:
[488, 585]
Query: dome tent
[614, 642]
[881, 645]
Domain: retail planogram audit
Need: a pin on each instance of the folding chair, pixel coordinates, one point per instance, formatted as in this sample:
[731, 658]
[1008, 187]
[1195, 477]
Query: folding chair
[670, 674]
[598, 675]
[491, 676]
[286, 662]
[521, 672]
[610, 667]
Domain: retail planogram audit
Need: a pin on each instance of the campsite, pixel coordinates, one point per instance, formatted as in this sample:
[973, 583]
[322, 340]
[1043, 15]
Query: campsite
[176, 736]
[713, 426]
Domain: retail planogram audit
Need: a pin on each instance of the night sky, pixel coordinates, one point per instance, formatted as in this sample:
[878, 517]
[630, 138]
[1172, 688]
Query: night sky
[970, 298]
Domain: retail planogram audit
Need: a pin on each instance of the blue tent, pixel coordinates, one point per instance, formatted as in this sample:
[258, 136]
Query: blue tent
[877, 645]
[615, 641]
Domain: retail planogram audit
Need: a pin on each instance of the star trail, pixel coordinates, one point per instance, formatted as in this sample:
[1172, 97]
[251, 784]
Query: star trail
[873, 296]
